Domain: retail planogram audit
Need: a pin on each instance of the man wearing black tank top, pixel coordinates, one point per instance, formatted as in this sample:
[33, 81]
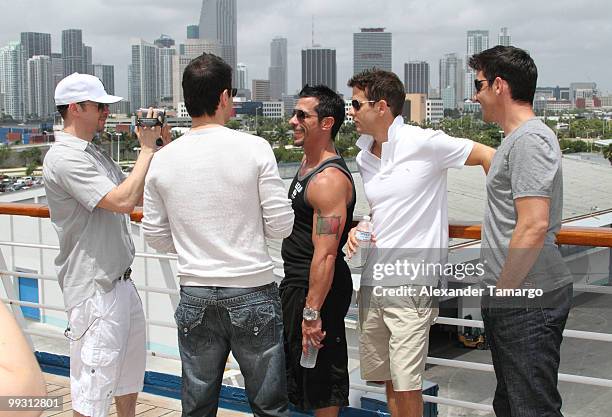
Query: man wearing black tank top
[317, 288]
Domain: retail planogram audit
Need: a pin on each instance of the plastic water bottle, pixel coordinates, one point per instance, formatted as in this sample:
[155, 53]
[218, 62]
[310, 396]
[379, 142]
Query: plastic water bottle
[309, 359]
[363, 234]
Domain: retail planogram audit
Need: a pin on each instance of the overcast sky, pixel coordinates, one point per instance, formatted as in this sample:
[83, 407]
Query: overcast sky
[568, 39]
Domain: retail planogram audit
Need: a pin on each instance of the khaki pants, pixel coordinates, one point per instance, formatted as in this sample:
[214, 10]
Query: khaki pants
[394, 337]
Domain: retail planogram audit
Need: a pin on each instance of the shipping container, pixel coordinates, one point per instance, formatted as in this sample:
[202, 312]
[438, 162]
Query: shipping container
[13, 136]
[37, 138]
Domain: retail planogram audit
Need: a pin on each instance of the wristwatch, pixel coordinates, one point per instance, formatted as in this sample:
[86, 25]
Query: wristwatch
[310, 314]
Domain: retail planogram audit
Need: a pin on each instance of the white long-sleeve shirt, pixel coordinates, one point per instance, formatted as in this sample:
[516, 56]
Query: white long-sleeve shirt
[212, 196]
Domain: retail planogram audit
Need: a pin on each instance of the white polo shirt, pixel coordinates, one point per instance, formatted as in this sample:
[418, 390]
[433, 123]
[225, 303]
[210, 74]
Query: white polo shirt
[407, 188]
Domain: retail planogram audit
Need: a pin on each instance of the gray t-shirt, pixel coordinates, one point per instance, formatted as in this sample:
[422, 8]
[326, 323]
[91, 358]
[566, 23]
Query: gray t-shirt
[526, 164]
[95, 244]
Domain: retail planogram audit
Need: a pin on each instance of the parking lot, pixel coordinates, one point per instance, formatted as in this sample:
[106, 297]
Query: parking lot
[16, 183]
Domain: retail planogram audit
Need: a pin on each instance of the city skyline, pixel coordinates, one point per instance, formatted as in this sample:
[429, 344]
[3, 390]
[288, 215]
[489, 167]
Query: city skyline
[421, 31]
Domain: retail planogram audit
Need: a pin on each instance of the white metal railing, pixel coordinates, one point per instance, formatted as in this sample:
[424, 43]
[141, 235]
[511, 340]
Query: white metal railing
[172, 291]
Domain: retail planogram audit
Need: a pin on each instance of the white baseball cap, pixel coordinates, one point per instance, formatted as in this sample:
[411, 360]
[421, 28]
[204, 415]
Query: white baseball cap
[77, 87]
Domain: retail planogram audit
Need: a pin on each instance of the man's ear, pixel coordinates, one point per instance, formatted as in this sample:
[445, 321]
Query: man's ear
[500, 85]
[223, 99]
[73, 108]
[327, 123]
[382, 107]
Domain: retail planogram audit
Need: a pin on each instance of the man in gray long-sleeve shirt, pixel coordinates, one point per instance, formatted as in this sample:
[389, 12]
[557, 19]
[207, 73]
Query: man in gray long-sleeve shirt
[89, 200]
[213, 196]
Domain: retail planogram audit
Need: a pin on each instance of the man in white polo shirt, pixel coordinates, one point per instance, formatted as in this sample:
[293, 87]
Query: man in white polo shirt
[89, 201]
[404, 175]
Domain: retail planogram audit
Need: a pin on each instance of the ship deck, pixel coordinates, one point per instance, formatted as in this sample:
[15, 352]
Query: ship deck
[148, 405]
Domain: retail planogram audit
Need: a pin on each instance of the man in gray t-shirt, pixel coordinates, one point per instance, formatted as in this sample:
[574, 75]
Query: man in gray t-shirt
[528, 286]
[526, 164]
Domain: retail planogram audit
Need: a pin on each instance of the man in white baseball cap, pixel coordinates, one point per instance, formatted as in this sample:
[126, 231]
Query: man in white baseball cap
[90, 199]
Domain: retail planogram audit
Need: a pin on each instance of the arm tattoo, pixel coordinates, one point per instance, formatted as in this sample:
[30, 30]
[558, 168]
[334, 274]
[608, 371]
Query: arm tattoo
[329, 225]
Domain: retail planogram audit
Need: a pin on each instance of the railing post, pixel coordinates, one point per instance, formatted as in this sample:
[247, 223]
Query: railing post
[41, 269]
[164, 264]
[610, 267]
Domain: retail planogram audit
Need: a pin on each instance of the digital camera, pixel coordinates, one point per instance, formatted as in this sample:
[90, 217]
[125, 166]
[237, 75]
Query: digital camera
[143, 121]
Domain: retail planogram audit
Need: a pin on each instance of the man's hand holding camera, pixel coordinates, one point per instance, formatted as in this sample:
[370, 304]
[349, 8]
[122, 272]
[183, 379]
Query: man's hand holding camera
[151, 130]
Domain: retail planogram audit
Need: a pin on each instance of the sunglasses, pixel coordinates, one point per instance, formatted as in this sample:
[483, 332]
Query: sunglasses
[232, 91]
[357, 104]
[101, 106]
[301, 115]
[478, 84]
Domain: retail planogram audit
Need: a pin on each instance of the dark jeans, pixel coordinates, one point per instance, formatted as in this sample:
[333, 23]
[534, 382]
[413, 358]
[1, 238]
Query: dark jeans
[525, 339]
[214, 320]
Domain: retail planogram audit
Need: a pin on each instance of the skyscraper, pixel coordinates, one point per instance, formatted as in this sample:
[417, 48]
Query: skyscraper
[451, 81]
[477, 41]
[72, 51]
[371, 48]
[165, 73]
[40, 86]
[416, 77]
[242, 73]
[165, 66]
[261, 90]
[179, 63]
[218, 22]
[504, 38]
[277, 72]
[35, 43]
[144, 74]
[164, 41]
[582, 90]
[88, 59]
[106, 74]
[57, 65]
[192, 48]
[12, 80]
[319, 67]
[193, 32]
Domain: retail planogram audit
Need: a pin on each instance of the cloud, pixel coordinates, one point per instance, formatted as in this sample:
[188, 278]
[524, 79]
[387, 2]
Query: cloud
[568, 39]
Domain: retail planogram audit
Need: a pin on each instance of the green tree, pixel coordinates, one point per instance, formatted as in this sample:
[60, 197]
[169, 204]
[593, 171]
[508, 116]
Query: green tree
[6, 118]
[573, 146]
[283, 154]
[5, 153]
[31, 155]
[452, 113]
[31, 168]
[233, 124]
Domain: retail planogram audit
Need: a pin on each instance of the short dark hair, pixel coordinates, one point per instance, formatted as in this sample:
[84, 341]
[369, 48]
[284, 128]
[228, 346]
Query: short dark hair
[330, 104]
[381, 85]
[511, 64]
[204, 79]
[62, 110]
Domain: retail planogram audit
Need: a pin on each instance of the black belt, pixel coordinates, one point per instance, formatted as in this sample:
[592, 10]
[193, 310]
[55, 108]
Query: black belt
[126, 275]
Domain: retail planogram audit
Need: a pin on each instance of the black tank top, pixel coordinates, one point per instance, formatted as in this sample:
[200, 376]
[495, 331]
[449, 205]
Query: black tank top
[297, 249]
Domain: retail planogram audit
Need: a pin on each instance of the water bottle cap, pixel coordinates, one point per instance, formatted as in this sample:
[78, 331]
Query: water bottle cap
[366, 218]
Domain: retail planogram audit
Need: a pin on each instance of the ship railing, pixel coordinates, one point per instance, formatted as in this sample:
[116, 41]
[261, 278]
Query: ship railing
[595, 237]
